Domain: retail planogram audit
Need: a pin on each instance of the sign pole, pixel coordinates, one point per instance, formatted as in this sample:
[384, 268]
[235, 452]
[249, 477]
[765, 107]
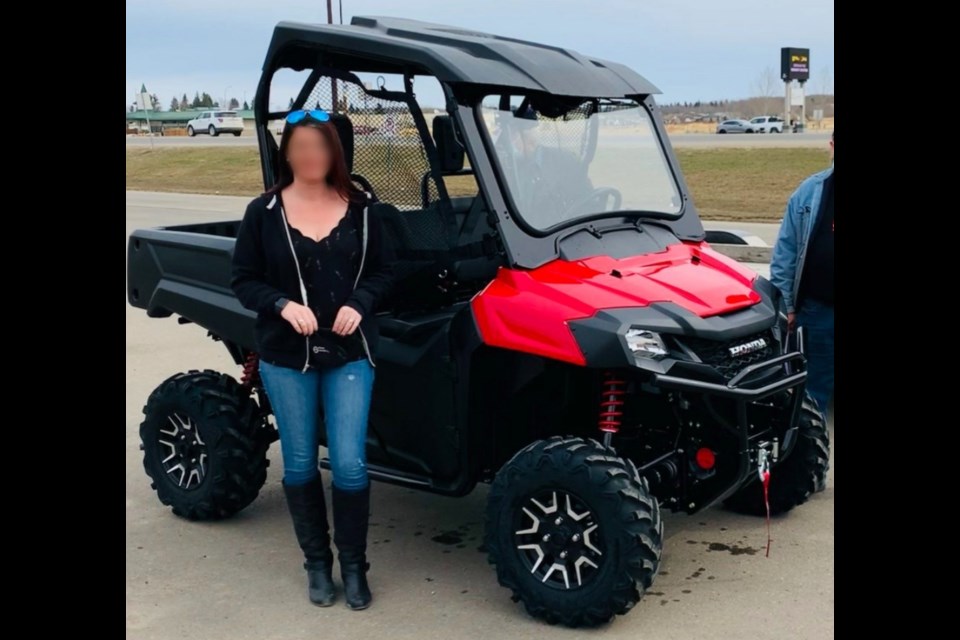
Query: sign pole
[786, 103]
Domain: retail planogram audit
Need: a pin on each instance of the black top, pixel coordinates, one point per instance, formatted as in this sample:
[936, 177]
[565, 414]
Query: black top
[264, 271]
[391, 45]
[816, 282]
[328, 267]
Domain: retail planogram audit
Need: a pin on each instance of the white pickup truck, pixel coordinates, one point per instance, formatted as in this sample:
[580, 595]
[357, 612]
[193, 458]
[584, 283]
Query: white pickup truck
[767, 124]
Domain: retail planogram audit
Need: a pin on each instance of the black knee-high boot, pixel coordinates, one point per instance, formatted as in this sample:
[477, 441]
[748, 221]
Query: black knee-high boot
[308, 507]
[351, 517]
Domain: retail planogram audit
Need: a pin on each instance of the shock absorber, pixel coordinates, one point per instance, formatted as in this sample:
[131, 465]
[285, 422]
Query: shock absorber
[251, 372]
[611, 405]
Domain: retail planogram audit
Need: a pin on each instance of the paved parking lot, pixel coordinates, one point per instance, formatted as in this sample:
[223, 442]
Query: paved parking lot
[242, 578]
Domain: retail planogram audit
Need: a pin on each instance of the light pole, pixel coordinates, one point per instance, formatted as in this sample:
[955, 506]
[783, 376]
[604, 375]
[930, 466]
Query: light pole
[333, 81]
[146, 113]
[224, 104]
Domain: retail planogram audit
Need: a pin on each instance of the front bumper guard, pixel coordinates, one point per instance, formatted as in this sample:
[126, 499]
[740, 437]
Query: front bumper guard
[792, 366]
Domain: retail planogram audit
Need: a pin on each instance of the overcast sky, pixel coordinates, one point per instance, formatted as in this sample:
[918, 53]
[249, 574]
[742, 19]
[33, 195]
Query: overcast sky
[691, 49]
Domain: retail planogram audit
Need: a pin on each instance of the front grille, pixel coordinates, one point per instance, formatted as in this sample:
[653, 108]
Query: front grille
[717, 354]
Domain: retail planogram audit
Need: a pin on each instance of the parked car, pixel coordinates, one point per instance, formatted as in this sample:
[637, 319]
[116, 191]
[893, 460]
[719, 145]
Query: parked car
[767, 124]
[735, 126]
[573, 341]
[215, 123]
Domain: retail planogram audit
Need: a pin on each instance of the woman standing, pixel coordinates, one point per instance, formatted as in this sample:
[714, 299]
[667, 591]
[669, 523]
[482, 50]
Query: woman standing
[311, 261]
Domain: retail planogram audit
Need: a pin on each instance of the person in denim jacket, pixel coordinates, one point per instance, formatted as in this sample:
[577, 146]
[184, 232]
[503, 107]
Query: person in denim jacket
[802, 268]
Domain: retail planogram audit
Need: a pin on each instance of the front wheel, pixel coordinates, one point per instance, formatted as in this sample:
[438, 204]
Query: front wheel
[203, 445]
[795, 478]
[573, 531]
[213, 131]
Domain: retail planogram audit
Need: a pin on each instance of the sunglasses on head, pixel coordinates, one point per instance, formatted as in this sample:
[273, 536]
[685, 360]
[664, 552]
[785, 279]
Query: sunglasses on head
[317, 114]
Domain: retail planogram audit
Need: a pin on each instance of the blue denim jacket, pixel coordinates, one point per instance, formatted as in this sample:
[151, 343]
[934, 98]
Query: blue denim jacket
[799, 220]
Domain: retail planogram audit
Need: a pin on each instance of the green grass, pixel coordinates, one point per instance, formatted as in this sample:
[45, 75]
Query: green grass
[196, 170]
[727, 184]
[747, 184]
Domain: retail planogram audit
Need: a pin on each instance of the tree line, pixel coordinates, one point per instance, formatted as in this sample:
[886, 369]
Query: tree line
[200, 101]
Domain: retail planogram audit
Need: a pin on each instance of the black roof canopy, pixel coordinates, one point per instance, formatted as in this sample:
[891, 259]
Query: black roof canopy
[452, 54]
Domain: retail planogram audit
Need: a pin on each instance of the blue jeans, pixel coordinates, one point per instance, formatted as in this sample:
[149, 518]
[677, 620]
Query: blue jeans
[817, 320]
[296, 398]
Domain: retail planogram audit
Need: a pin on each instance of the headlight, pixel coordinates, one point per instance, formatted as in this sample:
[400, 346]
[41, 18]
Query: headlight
[646, 344]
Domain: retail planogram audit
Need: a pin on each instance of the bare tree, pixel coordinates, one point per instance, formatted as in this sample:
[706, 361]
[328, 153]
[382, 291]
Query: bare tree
[826, 88]
[826, 82]
[765, 87]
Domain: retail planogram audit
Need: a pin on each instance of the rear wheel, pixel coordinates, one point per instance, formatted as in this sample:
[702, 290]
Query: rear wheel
[722, 131]
[191, 132]
[213, 131]
[237, 133]
[203, 445]
[798, 476]
[573, 531]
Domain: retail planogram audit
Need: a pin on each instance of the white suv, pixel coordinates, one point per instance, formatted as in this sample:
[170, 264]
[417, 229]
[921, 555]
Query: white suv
[215, 123]
[767, 124]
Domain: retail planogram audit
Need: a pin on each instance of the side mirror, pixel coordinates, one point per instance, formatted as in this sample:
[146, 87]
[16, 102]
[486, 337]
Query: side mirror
[449, 150]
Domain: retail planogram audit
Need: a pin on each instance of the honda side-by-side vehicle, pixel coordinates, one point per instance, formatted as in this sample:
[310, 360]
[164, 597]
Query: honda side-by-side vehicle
[559, 328]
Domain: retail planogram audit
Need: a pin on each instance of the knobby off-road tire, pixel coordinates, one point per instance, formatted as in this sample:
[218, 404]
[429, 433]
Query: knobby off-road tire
[202, 444]
[795, 478]
[607, 518]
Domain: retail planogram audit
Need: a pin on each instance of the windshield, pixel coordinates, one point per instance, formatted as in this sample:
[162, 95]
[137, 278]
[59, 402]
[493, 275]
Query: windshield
[600, 157]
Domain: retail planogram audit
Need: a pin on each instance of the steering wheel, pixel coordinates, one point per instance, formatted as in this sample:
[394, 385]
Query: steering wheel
[596, 194]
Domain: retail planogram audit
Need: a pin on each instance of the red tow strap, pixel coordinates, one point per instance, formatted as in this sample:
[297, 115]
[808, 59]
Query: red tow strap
[766, 501]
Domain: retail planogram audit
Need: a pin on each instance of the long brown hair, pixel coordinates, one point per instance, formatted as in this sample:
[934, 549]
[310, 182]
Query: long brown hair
[339, 175]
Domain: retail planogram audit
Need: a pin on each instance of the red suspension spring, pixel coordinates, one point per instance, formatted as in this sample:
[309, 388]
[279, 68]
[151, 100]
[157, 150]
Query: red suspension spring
[251, 372]
[611, 402]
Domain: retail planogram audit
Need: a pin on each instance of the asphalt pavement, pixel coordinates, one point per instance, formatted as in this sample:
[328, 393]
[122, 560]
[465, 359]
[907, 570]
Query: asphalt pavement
[242, 578]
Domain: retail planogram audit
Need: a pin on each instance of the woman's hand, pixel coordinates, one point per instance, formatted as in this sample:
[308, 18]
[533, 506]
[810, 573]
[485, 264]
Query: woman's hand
[348, 319]
[301, 318]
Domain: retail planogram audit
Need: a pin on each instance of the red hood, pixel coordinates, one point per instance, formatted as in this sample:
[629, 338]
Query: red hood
[529, 310]
[694, 277]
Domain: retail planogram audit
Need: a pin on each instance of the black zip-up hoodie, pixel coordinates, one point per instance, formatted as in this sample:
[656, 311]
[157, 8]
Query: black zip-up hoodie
[264, 270]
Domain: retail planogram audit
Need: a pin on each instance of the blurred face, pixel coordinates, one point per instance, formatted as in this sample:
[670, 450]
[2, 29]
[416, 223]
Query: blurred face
[309, 154]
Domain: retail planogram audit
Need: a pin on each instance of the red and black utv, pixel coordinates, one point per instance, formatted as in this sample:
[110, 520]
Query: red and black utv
[559, 329]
